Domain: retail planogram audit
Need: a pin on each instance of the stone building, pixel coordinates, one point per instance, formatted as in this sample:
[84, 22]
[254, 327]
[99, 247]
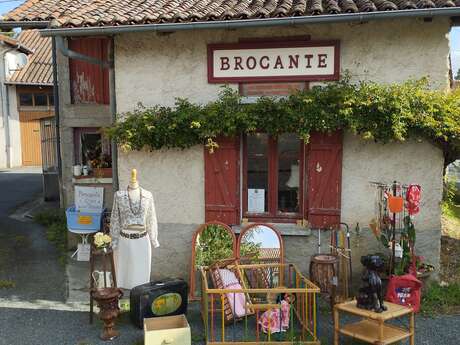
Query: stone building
[114, 55]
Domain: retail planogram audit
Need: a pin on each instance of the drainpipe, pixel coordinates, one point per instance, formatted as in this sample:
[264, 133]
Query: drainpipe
[60, 45]
[57, 119]
[113, 112]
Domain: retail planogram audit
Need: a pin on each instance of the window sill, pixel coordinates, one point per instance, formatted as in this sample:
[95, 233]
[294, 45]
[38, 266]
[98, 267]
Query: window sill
[92, 180]
[285, 229]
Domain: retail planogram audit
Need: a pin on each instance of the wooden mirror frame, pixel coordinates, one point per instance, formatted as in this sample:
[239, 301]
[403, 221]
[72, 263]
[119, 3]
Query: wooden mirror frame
[198, 231]
[253, 225]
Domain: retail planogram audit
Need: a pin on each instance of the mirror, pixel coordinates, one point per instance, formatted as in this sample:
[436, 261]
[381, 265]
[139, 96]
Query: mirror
[212, 241]
[260, 243]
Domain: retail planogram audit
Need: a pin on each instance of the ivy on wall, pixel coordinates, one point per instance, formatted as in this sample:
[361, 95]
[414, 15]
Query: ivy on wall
[382, 113]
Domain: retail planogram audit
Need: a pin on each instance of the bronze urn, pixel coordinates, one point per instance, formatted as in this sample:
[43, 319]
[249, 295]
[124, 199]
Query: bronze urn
[107, 301]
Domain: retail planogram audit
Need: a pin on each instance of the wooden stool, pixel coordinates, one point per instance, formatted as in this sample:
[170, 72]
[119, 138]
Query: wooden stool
[323, 272]
[105, 255]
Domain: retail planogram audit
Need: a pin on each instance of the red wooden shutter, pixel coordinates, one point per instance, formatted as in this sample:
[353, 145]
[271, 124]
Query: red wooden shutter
[324, 170]
[222, 202]
[89, 82]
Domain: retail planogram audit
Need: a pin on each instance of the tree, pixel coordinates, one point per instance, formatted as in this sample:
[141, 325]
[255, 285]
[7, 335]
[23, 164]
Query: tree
[457, 76]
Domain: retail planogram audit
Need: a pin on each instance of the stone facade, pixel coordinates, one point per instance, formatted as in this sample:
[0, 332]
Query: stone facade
[155, 69]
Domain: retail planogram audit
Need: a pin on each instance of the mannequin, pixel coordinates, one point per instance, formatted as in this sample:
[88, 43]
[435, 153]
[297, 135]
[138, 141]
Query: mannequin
[133, 228]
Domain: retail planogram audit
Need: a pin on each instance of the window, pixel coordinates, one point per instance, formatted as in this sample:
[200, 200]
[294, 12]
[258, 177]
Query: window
[92, 148]
[41, 100]
[26, 99]
[273, 169]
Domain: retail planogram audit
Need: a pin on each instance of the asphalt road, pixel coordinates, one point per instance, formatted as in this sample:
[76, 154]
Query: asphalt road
[27, 259]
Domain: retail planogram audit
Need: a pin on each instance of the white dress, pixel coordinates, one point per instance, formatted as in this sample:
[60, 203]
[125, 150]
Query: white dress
[133, 257]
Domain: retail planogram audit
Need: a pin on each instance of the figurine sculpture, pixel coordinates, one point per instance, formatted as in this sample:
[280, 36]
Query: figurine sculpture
[370, 296]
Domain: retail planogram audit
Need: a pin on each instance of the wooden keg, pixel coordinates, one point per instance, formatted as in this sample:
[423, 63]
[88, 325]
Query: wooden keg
[323, 270]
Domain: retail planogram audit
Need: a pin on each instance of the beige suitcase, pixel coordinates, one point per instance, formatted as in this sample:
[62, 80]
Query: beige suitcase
[168, 330]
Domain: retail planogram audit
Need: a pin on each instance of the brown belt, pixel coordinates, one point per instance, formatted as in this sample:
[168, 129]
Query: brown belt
[133, 236]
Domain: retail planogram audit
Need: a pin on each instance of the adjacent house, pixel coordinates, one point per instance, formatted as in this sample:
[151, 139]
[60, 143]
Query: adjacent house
[27, 98]
[114, 54]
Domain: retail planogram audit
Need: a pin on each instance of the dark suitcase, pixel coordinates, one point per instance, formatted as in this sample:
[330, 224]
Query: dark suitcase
[161, 298]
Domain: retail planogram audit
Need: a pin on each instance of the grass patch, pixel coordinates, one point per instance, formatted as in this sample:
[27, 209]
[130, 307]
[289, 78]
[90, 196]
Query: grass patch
[7, 284]
[439, 299]
[56, 229]
[450, 210]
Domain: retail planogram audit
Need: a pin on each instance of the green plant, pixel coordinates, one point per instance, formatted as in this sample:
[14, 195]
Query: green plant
[439, 299]
[56, 229]
[382, 113]
[7, 284]
[214, 243]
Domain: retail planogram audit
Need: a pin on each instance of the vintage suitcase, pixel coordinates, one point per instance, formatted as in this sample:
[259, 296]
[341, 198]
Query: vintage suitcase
[161, 298]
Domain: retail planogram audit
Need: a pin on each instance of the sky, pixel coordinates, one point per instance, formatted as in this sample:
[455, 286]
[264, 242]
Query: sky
[7, 5]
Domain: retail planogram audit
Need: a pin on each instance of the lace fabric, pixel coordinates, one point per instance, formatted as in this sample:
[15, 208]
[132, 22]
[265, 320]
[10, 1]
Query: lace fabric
[123, 216]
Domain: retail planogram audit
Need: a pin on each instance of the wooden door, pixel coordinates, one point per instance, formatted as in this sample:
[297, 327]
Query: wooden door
[30, 143]
[30, 136]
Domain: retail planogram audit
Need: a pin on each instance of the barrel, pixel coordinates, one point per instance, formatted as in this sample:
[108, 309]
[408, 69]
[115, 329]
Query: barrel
[323, 272]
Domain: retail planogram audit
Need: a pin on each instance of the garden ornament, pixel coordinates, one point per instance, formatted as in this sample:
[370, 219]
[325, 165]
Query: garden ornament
[370, 296]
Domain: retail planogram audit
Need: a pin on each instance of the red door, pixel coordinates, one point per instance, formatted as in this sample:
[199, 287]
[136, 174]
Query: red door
[324, 171]
[222, 202]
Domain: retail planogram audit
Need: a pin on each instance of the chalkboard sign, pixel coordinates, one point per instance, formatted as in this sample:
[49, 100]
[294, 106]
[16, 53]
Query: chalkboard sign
[89, 199]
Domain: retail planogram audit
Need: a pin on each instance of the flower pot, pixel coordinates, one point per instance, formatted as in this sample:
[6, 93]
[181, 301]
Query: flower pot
[102, 172]
[107, 301]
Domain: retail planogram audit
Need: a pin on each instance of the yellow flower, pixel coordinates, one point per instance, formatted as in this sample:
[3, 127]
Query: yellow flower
[107, 239]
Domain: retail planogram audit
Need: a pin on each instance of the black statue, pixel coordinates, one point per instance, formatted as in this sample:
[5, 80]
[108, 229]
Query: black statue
[370, 296]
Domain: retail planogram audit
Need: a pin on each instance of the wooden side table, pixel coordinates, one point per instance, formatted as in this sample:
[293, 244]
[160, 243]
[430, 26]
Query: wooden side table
[372, 328]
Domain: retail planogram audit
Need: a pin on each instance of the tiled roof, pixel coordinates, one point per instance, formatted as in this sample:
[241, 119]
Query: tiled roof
[14, 44]
[79, 13]
[39, 67]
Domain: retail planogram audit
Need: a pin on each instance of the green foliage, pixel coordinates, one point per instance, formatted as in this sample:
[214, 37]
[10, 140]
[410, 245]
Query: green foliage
[214, 243]
[56, 229]
[439, 299]
[383, 113]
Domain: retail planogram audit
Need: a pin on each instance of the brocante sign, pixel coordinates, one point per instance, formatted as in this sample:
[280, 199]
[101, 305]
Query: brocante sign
[273, 61]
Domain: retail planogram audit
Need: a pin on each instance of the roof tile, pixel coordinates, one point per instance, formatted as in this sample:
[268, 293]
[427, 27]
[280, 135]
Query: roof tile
[39, 68]
[77, 13]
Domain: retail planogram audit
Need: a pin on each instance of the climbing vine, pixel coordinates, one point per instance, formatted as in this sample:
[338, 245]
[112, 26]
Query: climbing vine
[382, 113]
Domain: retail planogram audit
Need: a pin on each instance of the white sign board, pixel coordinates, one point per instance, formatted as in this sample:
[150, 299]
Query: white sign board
[256, 200]
[89, 199]
[274, 61]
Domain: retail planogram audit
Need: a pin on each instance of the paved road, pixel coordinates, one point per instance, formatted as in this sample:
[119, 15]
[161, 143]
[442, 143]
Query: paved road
[27, 259]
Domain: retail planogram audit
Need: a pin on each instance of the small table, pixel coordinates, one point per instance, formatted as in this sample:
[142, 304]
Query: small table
[372, 328]
[84, 237]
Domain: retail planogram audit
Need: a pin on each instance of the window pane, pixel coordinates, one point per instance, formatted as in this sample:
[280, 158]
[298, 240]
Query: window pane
[25, 99]
[257, 172]
[51, 99]
[41, 100]
[288, 172]
[91, 148]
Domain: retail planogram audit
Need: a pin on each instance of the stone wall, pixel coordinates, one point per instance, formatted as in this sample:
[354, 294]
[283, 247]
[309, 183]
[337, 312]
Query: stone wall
[154, 69]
